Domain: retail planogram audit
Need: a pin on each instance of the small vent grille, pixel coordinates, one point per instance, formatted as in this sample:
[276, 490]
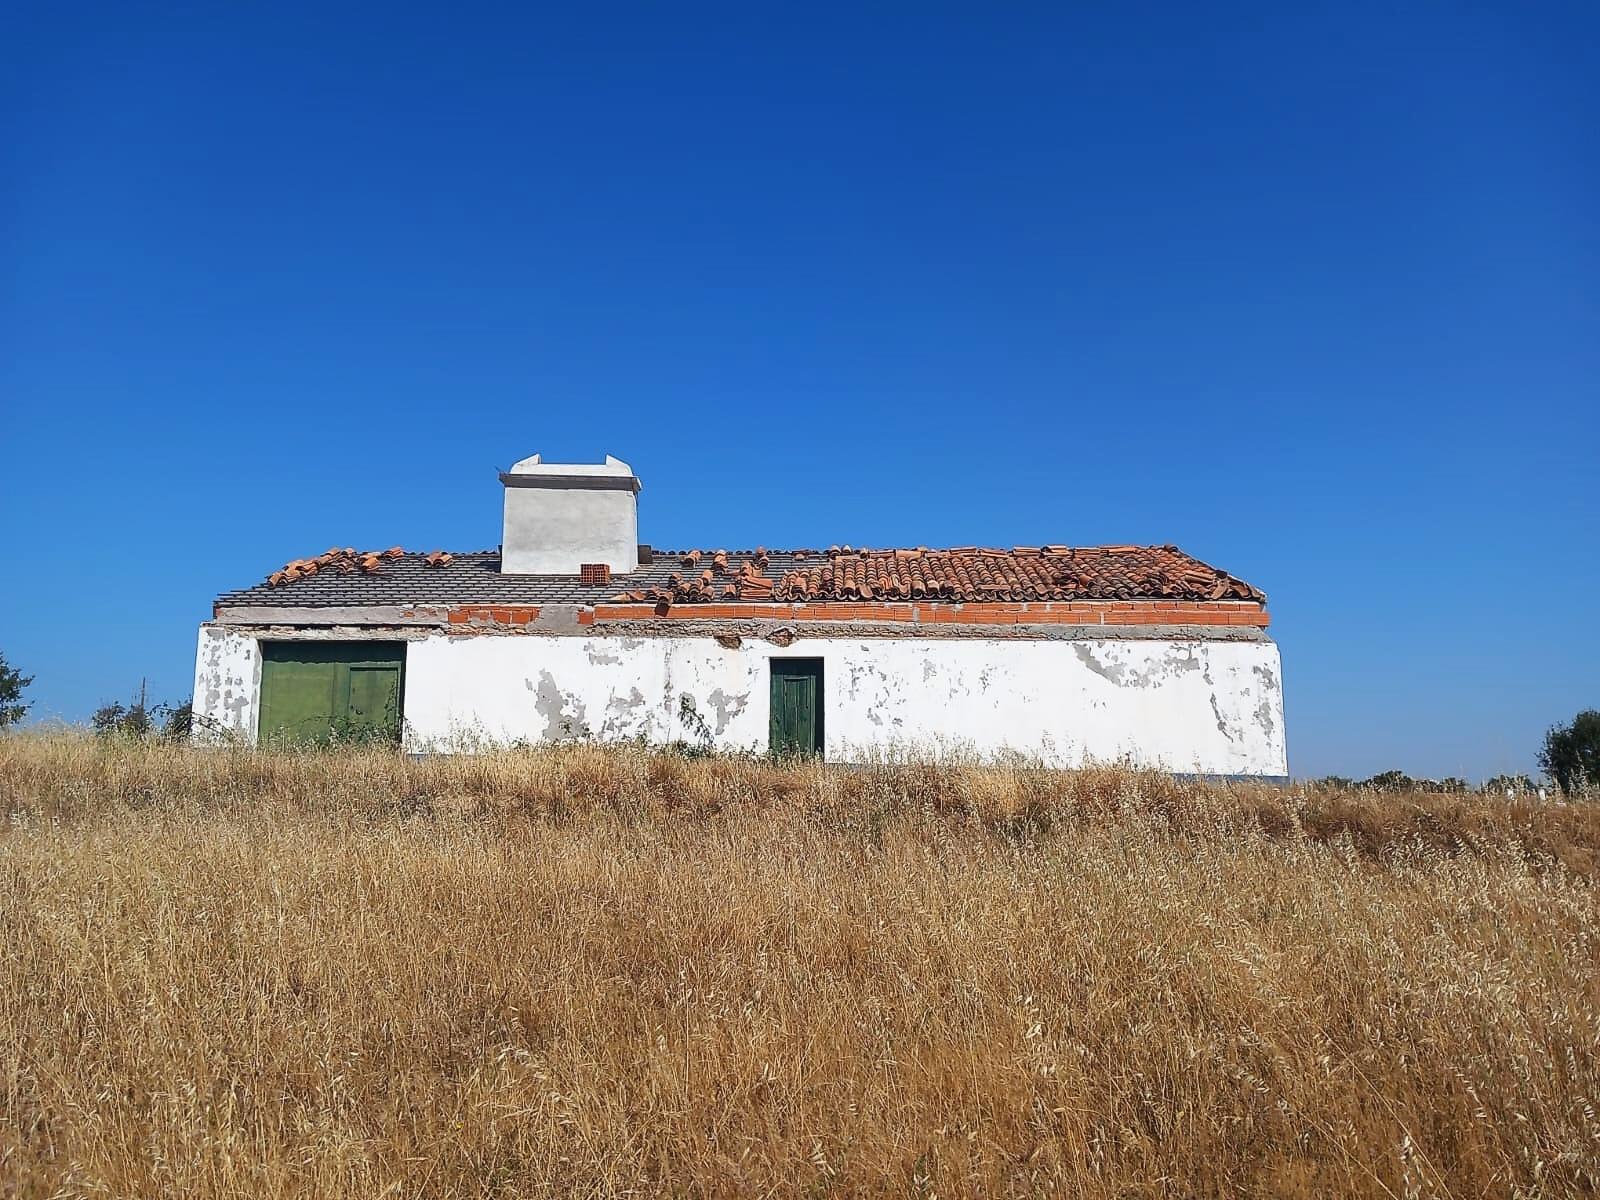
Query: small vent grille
[594, 574]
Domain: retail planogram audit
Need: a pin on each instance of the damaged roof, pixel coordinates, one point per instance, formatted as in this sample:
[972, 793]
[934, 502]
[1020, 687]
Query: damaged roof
[350, 578]
[969, 573]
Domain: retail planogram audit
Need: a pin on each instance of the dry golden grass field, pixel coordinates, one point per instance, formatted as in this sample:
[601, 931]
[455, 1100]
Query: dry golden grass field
[586, 972]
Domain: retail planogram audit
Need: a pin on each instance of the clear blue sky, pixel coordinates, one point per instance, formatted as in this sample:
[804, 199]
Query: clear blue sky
[1314, 295]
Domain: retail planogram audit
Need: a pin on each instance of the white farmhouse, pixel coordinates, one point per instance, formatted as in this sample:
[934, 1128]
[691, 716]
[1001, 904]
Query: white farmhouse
[573, 629]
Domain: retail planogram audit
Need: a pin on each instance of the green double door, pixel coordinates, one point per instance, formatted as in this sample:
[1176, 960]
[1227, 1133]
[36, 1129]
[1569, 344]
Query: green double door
[796, 722]
[313, 693]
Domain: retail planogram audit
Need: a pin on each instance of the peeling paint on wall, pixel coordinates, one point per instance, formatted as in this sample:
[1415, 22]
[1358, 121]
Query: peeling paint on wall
[1187, 705]
[227, 685]
[1125, 665]
[622, 713]
[1269, 712]
[1211, 705]
[1222, 722]
[727, 708]
[552, 703]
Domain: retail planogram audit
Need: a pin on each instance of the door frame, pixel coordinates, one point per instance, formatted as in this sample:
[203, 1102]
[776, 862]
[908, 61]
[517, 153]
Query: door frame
[813, 666]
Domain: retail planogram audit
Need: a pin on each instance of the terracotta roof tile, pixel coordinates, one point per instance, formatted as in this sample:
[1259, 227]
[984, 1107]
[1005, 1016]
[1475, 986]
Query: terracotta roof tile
[344, 561]
[969, 573]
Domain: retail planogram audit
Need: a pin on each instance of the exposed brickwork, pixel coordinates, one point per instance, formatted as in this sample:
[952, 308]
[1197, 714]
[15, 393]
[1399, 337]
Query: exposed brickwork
[1078, 612]
[494, 614]
[594, 574]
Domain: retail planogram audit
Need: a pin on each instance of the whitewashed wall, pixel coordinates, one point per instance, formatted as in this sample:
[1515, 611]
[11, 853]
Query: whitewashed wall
[227, 685]
[1189, 705]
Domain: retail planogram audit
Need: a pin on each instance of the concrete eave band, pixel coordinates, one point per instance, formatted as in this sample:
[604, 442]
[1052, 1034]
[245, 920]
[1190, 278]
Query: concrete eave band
[592, 483]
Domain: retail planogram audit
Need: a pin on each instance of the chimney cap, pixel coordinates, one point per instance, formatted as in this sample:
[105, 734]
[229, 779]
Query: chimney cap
[534, 472]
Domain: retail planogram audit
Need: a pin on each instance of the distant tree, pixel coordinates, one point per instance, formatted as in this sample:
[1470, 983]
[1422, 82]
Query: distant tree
[1390, 781]
[134, 719]
[1571, 754]
[1399, 781]
[1500, 785]
[139, 719]
[12, 682]
[177, 723]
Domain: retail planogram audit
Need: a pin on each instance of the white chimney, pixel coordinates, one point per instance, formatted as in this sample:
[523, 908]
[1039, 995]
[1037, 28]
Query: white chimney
[563, 516]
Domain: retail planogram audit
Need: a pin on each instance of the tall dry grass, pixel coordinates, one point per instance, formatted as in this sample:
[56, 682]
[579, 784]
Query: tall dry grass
[595, 972]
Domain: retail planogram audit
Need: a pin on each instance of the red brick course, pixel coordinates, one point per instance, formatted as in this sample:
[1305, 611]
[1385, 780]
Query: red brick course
[1074, 612]
[493, 614]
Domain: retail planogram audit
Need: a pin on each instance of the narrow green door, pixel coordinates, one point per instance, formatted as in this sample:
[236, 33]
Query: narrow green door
[320, 692]
[796, 722]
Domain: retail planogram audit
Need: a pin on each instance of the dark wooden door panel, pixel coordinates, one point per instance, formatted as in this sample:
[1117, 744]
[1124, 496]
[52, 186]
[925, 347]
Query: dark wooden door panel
[796, 722]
